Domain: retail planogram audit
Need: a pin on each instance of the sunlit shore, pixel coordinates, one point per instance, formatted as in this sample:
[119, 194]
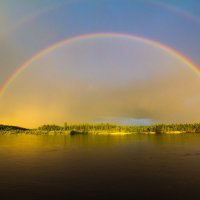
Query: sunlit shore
[102, 129]
[14, 132]
[89, 133]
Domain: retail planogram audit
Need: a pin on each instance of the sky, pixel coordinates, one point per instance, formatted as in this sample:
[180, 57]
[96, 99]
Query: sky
[106, 76]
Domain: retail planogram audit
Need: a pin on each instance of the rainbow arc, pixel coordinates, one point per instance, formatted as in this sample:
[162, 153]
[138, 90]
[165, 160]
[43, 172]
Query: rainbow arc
[78, 38]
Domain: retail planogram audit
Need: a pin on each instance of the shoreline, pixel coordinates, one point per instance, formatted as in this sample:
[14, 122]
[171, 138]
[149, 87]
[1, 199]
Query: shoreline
[112, 133]
[103, 129]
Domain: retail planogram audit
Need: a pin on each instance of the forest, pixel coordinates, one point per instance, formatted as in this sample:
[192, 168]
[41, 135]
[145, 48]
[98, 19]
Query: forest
[104, 128]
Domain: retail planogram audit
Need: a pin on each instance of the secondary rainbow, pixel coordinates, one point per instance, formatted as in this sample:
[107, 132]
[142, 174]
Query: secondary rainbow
[163, 47]
[41, 12]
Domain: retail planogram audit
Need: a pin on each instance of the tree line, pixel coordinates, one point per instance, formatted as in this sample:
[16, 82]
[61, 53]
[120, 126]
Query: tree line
[106, 127]
[159, 128]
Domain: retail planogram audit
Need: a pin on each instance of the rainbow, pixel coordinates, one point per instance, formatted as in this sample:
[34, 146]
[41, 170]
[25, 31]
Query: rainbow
[177, 11]
[67, 41]
[39, 13]
[35, 15]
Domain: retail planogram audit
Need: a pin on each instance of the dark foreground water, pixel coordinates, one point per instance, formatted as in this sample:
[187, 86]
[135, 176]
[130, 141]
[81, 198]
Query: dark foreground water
[100, 167]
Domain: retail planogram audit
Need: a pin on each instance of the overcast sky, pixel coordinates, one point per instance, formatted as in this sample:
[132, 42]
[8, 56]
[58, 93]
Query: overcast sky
[99, 79]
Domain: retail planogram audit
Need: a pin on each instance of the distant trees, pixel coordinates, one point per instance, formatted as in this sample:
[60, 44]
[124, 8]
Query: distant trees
[49, 127]
[158, 129]
[10, 128]
[105, 127]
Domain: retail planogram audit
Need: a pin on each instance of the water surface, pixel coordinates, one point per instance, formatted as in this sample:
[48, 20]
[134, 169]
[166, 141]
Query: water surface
[100, 167]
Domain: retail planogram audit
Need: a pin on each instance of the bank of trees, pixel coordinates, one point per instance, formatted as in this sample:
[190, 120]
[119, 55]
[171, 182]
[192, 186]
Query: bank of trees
[105, 127]
[11, 128]
[159, 128]
[50, 127]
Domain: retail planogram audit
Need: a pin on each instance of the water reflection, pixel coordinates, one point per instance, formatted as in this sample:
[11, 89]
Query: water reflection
[100, 167]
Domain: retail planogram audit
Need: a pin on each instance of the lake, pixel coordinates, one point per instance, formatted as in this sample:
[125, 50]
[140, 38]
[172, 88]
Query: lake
[100, 167]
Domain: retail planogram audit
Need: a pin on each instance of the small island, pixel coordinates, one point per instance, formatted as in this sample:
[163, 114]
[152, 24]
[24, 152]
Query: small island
[102, 129]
